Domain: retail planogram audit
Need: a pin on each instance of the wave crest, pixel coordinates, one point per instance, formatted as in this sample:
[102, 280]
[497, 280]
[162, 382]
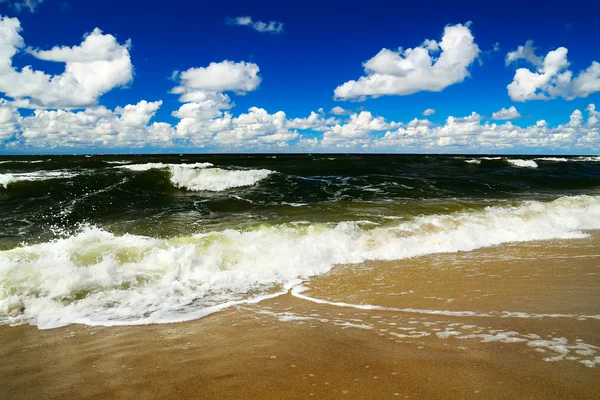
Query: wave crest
[200, 177]
[215, 179]
[98, 278]
[522, 163]
[7, 179]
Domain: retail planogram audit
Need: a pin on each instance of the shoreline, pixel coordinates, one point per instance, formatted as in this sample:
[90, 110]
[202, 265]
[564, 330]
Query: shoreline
[288, 347]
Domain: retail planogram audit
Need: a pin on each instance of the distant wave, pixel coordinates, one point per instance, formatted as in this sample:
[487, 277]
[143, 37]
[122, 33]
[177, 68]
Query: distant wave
[200, 177]
[530, 163]
[522, 163]
[118, 162]
[215, 179]
[98, 278]
[553, 159]
[511, 161]
[159, 165]
[7, 179]
[590, 158]
[22, 161]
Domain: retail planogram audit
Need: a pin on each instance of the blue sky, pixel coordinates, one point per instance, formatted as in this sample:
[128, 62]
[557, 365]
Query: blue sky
[323, 45]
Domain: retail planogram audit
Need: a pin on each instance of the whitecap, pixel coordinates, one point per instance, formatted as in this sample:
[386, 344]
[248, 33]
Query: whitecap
[522, 163]
[7, 179]
[98, 278]
[215, 179]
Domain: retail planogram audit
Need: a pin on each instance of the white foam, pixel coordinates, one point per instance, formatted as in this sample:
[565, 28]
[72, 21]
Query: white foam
[97, 278]
[23, 161]
[200, 177]
[553, 159]
[215, 179]
[590, 158]
[474, 161]
[522, 163]
[159, 165]
[118, 162]
[298, 290]
[6, 179]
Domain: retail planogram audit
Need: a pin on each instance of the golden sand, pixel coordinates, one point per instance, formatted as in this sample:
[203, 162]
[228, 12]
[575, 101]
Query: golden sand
[452, 331]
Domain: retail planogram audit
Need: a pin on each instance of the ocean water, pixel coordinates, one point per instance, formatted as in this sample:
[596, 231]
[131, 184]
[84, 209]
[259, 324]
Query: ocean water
[129, 240]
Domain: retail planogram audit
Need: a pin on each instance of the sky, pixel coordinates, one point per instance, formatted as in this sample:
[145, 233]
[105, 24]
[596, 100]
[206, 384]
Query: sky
[298, 76]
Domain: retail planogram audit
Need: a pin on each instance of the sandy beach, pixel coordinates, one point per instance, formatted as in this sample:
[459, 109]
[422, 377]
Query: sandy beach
[511, 321]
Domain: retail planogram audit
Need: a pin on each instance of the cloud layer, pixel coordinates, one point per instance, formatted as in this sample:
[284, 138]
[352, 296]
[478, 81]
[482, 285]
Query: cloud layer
[132, 126]
[66, 114]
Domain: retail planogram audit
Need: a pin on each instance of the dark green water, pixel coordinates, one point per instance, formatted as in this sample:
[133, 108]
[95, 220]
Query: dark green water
[315, 188]
[122, 240]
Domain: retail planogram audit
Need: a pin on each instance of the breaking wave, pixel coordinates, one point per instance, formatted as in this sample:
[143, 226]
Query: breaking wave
[200, 177]
[522, 163]
[98, 278]
[10, 178]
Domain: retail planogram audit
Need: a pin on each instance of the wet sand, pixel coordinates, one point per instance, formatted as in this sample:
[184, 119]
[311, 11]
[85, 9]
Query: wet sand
[512, 321]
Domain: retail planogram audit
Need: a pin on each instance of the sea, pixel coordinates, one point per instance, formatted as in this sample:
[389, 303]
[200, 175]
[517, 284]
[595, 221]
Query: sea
[144, 239]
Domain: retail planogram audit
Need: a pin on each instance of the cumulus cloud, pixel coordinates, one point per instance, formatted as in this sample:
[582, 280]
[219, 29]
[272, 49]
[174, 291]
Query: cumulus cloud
[337, 110]
[551, 78]
[506, 114]
[20, 5]
[432, 66]
[98, 126]
[594, 116]
[93, 68]
[526, 52]
[471, 134]
[316, 121]
[225, 76]
[356, 130]
[205, 118]
[202, 90]
[259, 26]
[428, 112]
[257, 129]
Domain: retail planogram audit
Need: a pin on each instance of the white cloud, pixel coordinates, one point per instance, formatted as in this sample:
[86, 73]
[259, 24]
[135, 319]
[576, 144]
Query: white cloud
[506, 114]
[428, 112]
[256, 127]
[201, 89]
[404, 72]
[20, 5]
[594, 116]
[95, 67]
[552, 77]
[315, 122]
[526, 52]
[271, 26]
[337, 110]
[470, 134]
[205, 118]
[356, 130]
[124, 127]
[225, 76]
[8, 121]
[131, 126]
